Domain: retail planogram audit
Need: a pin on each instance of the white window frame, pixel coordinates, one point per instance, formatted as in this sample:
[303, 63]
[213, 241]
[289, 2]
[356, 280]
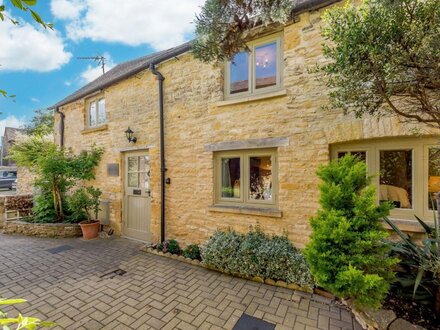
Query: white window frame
[420, 153]
[245, 200]
[89, 102]
[252, 90]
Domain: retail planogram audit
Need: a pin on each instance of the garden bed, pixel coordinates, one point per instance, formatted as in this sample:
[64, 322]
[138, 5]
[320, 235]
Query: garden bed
[258, 279]
[56, 230]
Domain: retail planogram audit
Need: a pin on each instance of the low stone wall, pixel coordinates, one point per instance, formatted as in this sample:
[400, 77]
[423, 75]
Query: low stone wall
[42, 229]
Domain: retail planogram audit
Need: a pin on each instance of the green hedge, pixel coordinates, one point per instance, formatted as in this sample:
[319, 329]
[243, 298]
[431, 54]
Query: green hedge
[257, 254]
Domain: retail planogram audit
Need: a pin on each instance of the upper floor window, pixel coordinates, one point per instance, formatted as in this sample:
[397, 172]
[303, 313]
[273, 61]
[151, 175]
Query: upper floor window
[257, 71]
[406, 172]
[96, 111]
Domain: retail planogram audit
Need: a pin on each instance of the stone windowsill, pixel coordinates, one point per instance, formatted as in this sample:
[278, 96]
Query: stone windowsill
[251, 98]
[94, 129]
[261, 211]
[412, 226]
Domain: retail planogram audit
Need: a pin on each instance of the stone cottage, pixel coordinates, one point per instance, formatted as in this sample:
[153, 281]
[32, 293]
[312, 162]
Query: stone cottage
[190, 147]
[9, 137]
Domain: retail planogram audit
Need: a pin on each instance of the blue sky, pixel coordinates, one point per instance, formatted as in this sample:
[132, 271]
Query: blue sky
[40, 66]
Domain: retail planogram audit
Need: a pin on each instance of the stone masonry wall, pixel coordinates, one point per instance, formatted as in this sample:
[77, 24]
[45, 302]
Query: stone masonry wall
[25, 180]
[194, 118]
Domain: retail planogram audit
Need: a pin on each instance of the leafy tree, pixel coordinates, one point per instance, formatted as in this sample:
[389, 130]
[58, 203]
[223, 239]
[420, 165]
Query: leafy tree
[42, 123]
[346, 252]
[222, 25]
[24, 6]
[56, 169]
[384, 58]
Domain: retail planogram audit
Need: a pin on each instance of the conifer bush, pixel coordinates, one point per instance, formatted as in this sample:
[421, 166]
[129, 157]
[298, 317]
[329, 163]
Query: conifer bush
[347, 253]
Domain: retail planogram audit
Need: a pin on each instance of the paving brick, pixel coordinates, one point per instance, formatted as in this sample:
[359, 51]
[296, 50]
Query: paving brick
[155, 293]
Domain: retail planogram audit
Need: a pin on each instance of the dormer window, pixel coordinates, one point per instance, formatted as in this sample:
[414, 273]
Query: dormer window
[257, 71]
[96, 111]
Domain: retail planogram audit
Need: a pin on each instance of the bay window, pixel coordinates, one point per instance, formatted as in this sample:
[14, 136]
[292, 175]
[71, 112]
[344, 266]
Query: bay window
[406, 172]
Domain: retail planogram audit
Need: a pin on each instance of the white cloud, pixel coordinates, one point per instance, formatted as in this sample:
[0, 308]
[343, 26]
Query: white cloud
[161, 24]
[94, 71]
[66, 9]
[67, 83]
[35, 100]
[11, 121]
[24, 47]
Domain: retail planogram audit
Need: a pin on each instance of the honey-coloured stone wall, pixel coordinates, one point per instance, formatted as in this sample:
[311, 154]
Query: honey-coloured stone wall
[196, 117]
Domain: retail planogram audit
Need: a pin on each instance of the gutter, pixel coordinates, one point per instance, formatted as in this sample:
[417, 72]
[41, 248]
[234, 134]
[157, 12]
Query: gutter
[61, 128]
[163, 169]
[311, 5]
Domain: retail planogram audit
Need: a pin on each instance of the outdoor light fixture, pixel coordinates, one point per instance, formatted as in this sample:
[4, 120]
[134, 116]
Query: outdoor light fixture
[129, 134]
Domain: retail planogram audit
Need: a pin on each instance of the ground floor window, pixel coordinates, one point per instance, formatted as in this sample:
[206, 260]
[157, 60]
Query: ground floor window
[246, 177]
[406, 172]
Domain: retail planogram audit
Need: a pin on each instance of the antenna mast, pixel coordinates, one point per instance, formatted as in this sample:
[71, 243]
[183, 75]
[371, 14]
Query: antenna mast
[99, 59]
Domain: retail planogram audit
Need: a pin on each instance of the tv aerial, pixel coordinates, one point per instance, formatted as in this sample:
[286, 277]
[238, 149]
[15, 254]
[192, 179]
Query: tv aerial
[98, 58]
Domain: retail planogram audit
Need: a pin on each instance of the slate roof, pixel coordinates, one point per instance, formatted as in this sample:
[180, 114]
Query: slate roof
[130, 68]
[123, 71]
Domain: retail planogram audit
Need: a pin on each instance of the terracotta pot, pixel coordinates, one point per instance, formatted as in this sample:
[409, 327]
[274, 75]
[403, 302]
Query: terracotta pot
[90, 230]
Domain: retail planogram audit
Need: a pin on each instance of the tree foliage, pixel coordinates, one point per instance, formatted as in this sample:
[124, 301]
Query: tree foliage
[24, 6]
[42, 123]
[384, 58]
[20, 322]
[346, 252]
[56, 169]
[222, 25]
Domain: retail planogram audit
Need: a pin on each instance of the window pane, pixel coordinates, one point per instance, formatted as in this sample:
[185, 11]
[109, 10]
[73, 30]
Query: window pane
[396, 177]
[266, 65]
[133, 164]
[133, 180]
[260, 178]
[434, 176]
[230, 179]
[362, 155]
[239, 73]
[101, 111]
[92, 114]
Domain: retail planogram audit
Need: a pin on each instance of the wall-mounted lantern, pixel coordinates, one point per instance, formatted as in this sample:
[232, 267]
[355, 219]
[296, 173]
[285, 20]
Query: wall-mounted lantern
[129, 134]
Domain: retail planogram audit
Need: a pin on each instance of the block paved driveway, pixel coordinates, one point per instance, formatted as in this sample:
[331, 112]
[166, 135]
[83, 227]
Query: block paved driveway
[71, 288]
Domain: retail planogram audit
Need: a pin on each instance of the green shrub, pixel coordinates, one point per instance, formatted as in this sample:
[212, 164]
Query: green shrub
[84, 203]
[192, 251]
[346, 253]
[418, 274]
[257, 254]
[171, 246]
[43, 210]
[222, 251]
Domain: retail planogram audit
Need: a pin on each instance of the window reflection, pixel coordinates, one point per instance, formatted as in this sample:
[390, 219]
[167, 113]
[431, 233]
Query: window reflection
[266, 65]
[362, 155]
[239, 73]
[433, 177]
[92, 114]
[260, 173]
[101, 111]
[396, 177]
[230, 172]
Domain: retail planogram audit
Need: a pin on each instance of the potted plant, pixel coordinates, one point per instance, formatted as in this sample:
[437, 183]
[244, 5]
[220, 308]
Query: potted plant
[85, 203]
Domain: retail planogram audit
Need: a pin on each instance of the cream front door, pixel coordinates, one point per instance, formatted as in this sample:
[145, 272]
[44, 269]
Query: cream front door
[137, 197]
